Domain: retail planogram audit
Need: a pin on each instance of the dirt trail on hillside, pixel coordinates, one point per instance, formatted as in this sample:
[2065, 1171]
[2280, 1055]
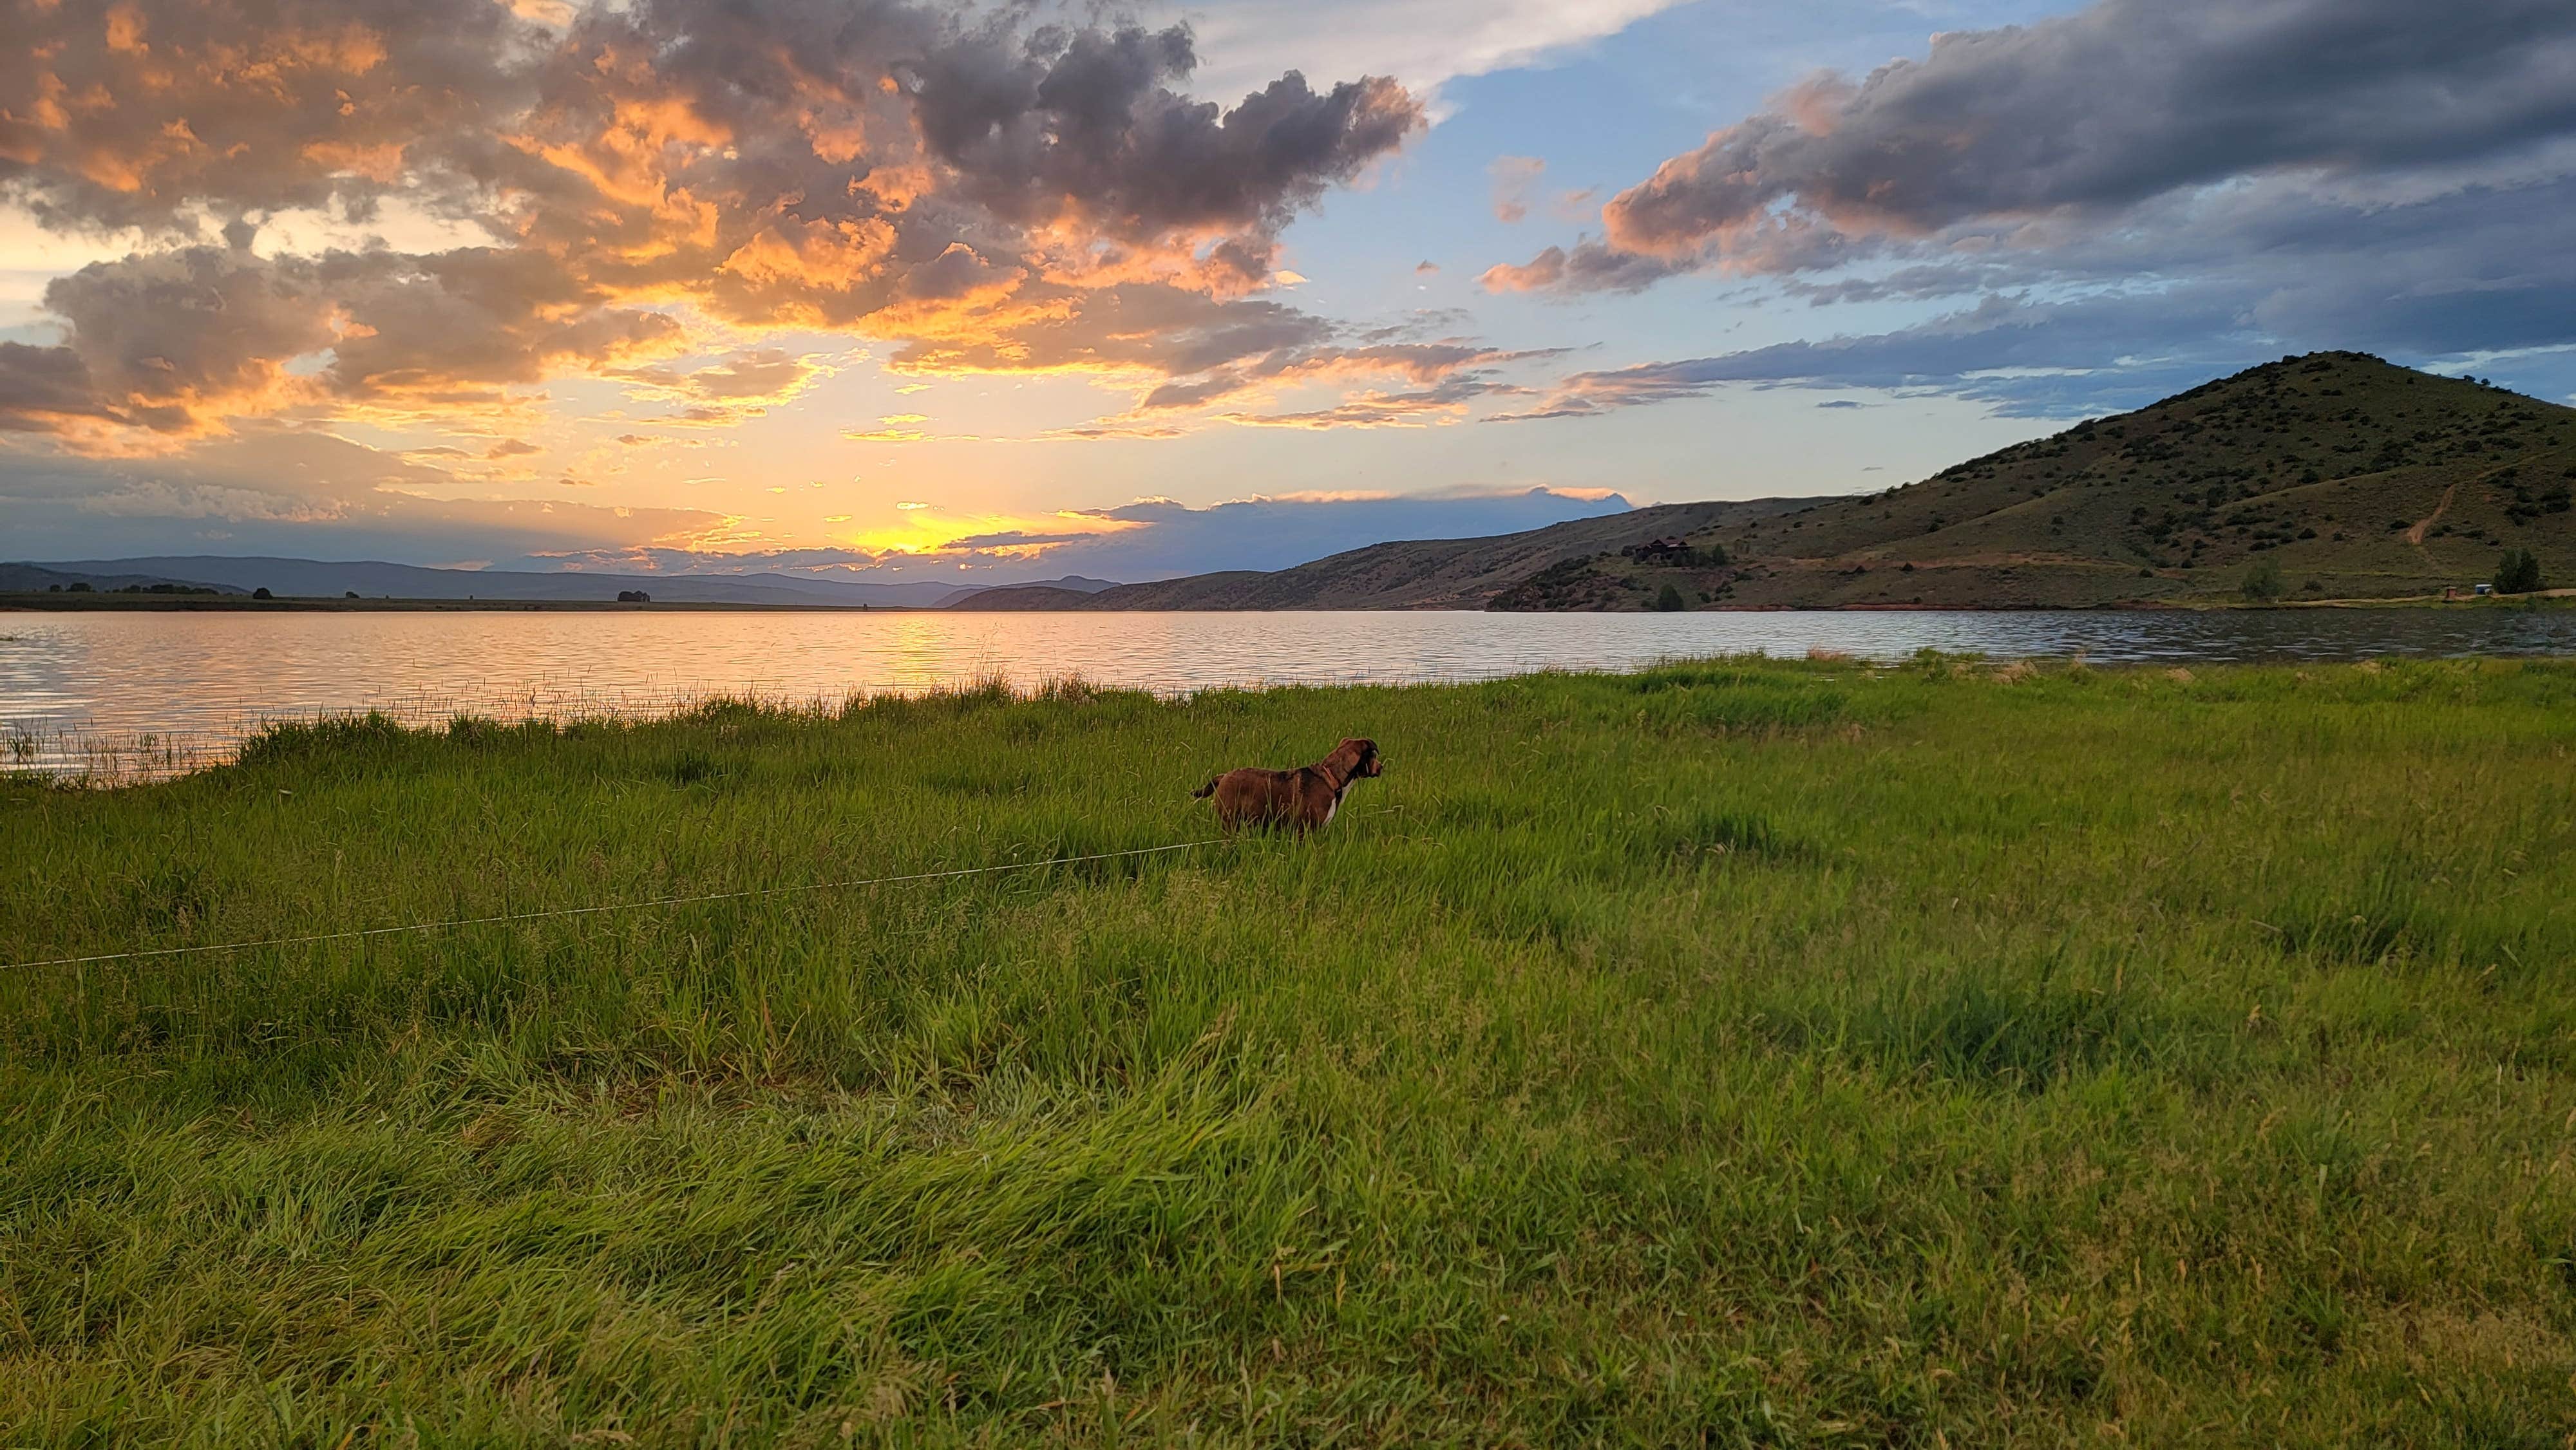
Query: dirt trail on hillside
[2415, 535]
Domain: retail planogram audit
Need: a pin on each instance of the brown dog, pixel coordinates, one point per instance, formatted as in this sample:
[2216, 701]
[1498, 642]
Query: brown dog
[1301, 800]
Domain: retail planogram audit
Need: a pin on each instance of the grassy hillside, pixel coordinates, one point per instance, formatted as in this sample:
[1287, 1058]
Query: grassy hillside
[1406, 574]
[2357, 478]
[1739, 1053]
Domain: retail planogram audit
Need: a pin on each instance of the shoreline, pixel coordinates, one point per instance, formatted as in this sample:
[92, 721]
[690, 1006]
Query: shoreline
[244, 604]
[80, 758]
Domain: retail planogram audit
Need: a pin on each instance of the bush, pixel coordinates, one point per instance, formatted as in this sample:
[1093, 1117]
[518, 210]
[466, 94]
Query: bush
[2263, 581]
[1670, 601]
[262, 593]
[2519, 573]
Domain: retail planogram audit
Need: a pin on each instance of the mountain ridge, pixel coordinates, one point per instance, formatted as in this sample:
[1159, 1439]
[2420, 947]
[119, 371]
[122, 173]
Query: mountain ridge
[2344, 475]
[2357, 478]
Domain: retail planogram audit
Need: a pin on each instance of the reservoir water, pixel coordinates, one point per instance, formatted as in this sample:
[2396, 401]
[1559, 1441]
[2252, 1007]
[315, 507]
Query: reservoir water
[146, 692]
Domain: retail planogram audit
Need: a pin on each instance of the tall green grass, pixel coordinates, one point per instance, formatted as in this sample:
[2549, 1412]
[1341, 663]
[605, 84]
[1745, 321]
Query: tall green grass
[1735, 1053]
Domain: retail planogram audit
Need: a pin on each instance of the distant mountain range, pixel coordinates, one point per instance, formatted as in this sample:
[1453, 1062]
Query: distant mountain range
[314, 579]
[36, 579]
[2347, 476]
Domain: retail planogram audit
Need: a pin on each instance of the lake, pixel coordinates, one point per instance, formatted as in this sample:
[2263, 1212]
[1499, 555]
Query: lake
[144, 693]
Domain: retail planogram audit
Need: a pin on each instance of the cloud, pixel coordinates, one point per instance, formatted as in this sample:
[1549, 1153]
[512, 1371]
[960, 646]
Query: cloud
[769, 375]
[1463, 366]
[1422, 43]
[186, 342]
[128, 115]
[1186, 350]
[1446, 403]
[47, 389]
[296, 493]
[1514, 177]
[1589, 267]
[1159, 538]
[2078, 118]
[2098, 207]
[1089, 120]
[2203, 285]
[990, 195]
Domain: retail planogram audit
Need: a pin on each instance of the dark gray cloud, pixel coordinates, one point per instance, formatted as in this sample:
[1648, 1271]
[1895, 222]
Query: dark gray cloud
[44, 389]
[1459, 367]
[2199, 286]
[1445, 402]
[1092, 115]
[2109, 204]
[2022, 357]
[2089, 113]
[1589, 266]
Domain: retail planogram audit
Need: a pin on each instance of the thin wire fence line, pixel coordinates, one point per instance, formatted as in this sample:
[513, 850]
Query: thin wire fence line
[646, 905]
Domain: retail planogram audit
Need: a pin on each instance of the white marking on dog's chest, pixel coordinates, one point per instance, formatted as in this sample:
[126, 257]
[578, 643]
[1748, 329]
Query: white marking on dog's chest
[1331, 806]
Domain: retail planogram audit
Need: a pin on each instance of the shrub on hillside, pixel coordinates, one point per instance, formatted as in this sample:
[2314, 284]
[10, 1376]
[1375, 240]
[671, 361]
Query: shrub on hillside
[2519, 573]
[2263, 581]
[1670, 601]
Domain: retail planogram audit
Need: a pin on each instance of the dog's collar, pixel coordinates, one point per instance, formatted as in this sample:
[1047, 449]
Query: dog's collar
[1324, 768]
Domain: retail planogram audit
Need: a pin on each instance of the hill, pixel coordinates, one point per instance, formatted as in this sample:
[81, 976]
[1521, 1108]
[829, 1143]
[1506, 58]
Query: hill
[1405, 574]
[2357, 478]
[36, 579]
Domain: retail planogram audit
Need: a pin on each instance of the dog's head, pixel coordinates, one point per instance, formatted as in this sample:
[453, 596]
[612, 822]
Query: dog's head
[1358, 758]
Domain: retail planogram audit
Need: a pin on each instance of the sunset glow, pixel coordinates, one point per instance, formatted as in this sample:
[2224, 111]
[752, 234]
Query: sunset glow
[911, 284]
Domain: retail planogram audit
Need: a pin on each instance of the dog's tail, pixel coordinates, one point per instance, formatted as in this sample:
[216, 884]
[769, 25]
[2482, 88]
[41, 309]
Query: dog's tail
[1203, 792]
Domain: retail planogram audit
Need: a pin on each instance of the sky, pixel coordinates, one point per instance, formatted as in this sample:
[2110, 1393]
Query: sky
[891, 290]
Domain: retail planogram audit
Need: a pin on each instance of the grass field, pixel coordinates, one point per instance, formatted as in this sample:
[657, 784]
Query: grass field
[1737, 1053]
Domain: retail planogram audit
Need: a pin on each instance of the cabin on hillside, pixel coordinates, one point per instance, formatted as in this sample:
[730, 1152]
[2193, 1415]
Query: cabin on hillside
[1673, 551]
